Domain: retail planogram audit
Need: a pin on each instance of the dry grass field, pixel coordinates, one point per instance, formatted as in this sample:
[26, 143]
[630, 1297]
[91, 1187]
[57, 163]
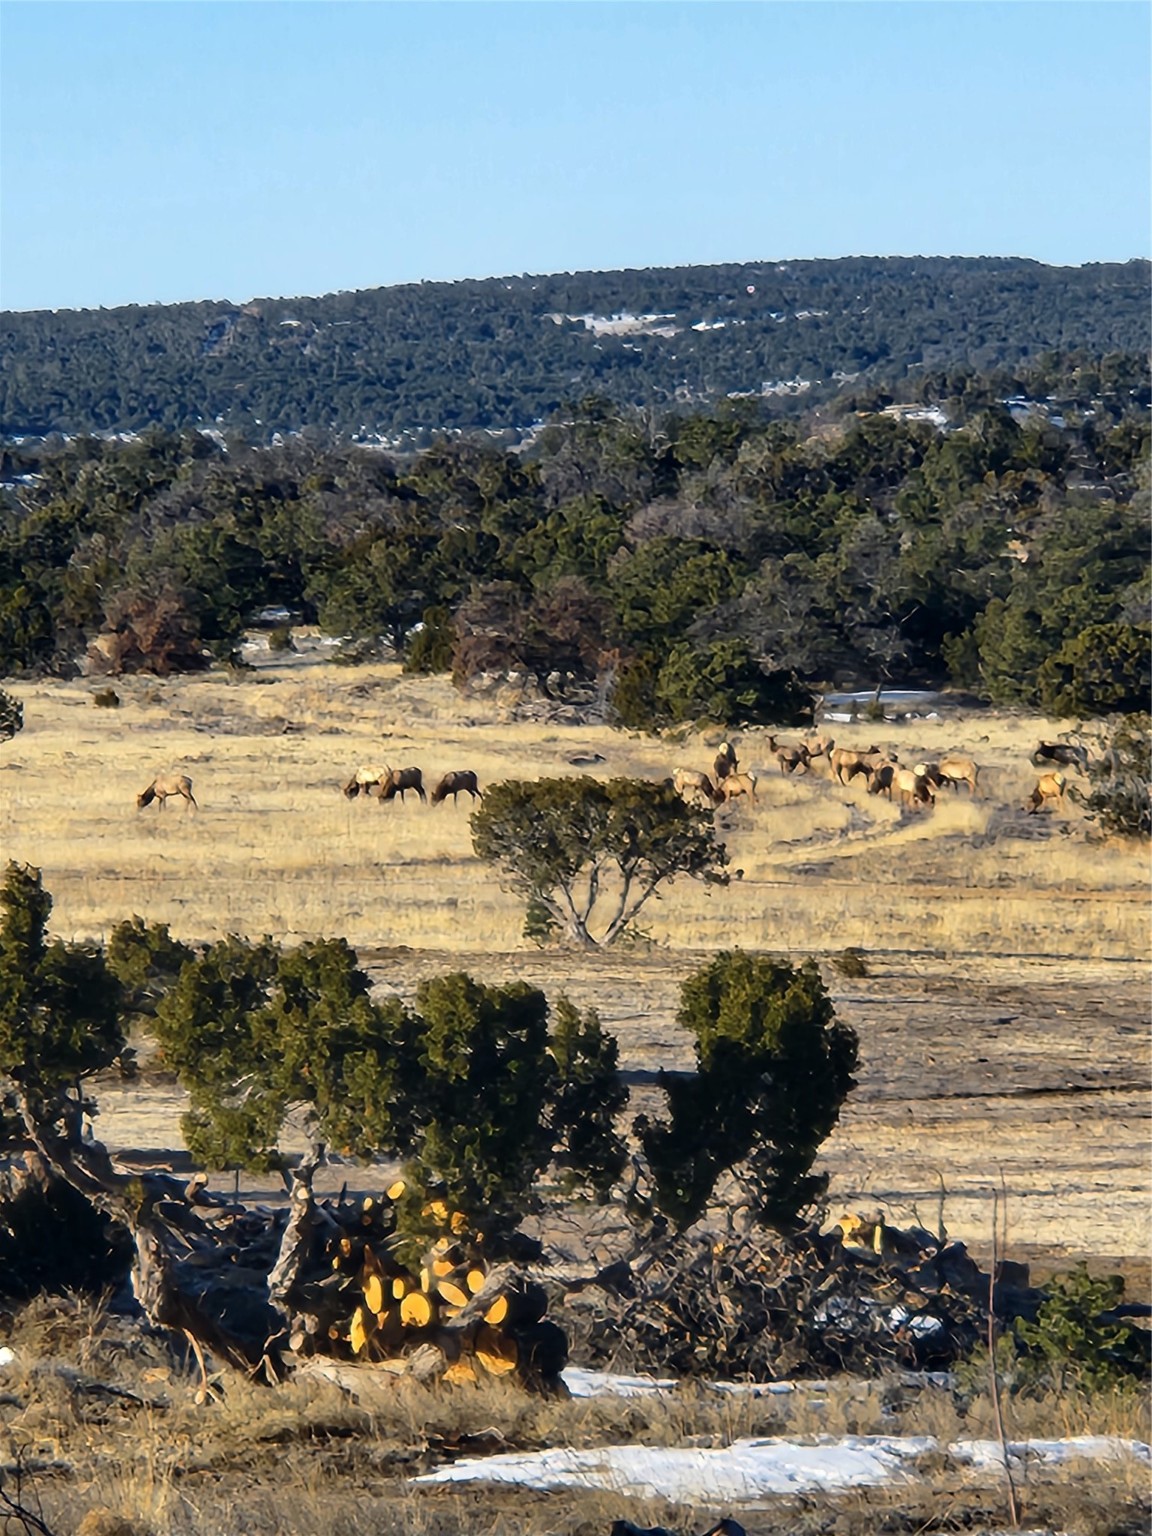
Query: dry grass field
[1003, 1022]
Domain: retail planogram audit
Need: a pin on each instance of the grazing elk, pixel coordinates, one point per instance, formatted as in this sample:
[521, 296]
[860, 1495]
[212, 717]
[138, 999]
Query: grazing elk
[1063, 753]
[364, 780]
[1049, 786]
[847, 764]
[690, 784]
[791, 758]
[881, 778]
[397, 781]
[462, 779]
[955, 770]
[164, 785]
[737, 784]
[913, 786]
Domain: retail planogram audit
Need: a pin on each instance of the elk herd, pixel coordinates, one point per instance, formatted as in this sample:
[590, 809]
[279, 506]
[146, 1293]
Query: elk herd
[883, 773]
[881, 770]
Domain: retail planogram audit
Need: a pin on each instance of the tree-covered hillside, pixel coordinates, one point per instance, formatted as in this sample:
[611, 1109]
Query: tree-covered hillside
[710, 564]
[501, 353]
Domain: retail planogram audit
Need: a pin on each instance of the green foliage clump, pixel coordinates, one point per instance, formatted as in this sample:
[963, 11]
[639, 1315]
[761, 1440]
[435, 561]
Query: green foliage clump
[11, 716]
[575, 847]
[774, 1066]
[1105, 670]
[1075, 1342]
[723, 682]
[469, 1088]
[60, 1019]
[430, 649]
[1120, 776]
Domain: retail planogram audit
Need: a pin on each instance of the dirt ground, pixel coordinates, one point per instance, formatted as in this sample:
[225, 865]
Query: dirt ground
[1003, 1022]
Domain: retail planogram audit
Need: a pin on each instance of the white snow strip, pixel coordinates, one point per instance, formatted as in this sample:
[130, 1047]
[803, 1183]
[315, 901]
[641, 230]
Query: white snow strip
[751, 1469]
[987, 1453]
[582, 1382]
[748, 1469]
[585, 1383]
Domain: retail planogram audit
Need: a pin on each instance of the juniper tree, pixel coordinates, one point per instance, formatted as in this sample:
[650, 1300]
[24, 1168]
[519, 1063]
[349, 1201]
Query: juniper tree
[587, 855]
[773, 1067]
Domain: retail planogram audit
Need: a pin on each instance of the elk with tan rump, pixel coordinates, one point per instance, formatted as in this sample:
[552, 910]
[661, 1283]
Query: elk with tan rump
[695, 787]
[846, 764]
[163, 786]
[1049, 786]
[737, 784]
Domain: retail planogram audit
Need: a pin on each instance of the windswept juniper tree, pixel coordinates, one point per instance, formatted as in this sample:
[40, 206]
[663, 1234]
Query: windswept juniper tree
[587, 855]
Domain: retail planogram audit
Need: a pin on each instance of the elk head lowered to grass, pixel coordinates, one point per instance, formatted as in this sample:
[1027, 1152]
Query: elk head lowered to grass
[165, 785]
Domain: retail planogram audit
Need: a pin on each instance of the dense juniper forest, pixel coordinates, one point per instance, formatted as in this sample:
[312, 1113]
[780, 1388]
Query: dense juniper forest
[499, 354]
[672, 551]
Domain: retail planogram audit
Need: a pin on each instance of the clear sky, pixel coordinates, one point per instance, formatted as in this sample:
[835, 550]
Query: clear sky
[162, 151]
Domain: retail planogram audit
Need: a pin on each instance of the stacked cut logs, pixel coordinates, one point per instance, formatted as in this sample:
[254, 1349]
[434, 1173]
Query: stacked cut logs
[446, 1318]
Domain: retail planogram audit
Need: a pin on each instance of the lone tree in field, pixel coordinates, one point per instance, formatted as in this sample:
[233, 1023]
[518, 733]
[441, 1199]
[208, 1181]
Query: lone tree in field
[587, 855]
[774, 1066]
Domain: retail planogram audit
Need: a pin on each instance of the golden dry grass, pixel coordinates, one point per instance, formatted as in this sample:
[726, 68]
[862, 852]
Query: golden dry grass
[109, 1419]
[1003, 1028]
[276, 849]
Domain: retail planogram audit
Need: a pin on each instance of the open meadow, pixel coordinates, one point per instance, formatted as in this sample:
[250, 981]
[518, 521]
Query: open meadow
[1004, 1065]
[1003, 1019]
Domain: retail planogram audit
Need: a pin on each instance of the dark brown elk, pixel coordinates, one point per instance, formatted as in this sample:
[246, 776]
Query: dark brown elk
[165, 785]
[397, 781]
[847, 764]
[1049, 786]
[725, 762]
[1062, 753]
[461, 780]
[791, 758]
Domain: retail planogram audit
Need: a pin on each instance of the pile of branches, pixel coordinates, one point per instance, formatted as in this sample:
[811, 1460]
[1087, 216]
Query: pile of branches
[759, 1306]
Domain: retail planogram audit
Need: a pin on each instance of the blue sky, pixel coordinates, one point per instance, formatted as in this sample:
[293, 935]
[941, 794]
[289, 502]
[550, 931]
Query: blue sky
[163, 151]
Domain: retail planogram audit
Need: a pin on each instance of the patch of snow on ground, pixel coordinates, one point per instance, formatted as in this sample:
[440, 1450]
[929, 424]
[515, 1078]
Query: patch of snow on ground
[587, 1383]
[987, 1453]
[751, 1469]
[748, 1469]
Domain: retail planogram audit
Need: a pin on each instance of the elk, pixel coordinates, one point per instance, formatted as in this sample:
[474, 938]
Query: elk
[791, 758]
[913, 786]
[165, 785]
[725, 761]
[1049, 786]
[955, 770]
[396, 781]
[737, 784]
[461, 779]
[690, 783]
[847, 764]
